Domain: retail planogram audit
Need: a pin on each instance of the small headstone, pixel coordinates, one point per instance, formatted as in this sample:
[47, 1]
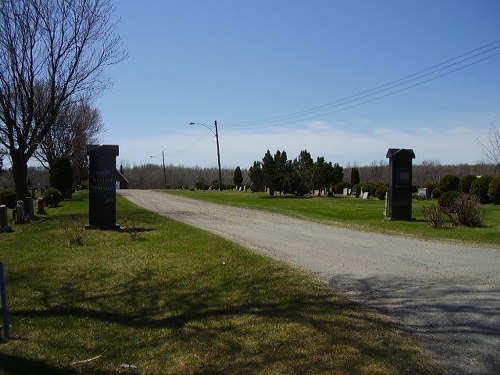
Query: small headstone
[4, 227]
[19, 212]
[366, 194]
[422, 193]
[28, 207]
[41, 207]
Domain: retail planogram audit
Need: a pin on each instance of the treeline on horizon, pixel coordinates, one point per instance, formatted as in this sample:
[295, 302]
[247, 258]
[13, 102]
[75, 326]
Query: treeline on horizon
[152, 176]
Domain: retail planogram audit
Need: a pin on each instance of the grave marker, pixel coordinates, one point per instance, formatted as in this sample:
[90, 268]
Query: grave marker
[102, 187]
[399, 205]
[4, 227]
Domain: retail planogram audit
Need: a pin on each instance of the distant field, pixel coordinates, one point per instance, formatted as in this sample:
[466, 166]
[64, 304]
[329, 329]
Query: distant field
[364, 214]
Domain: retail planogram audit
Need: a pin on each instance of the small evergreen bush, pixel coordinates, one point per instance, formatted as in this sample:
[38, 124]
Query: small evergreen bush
[8, 197]
[52, 197]
[465, 184]
[449, 183]
[436, 193]
[447, 201]
[61, 175]
[494, 190]
[480, 188]
[339, 188]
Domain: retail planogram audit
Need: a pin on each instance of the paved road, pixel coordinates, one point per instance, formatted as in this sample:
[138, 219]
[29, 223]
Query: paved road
[448, 295]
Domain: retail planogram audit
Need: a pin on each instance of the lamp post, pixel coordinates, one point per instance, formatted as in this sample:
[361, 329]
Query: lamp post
[216, 133]
[164, 170]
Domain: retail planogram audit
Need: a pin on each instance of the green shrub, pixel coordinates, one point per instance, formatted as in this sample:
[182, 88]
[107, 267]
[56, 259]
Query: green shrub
[446, 201]
[381, 192]
[61, 175]
[8, 197]
[354, 176]
[201, 185]
[52, 197]
[465, 184]
[436, 193]
[494, 190]
[448, 183]
[356, 190]
[339, 188]
[480, 188]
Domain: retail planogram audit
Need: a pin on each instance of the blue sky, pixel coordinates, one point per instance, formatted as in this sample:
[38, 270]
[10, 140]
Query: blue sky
[254, 65]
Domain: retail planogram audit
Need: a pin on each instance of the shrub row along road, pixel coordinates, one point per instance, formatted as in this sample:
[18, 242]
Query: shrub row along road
[447, 295]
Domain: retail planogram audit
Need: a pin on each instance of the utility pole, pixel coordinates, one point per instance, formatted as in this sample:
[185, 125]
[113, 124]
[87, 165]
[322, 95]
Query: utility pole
[216, 133]
[164, 170]
[218, 154]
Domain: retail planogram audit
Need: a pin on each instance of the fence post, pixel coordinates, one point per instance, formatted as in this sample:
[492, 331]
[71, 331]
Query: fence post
[3, 295]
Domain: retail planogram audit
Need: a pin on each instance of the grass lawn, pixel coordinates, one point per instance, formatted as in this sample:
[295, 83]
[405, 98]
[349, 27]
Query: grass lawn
[364, 214]
[178, 300]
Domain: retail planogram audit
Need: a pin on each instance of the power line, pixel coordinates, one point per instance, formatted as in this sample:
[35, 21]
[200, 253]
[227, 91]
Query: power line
[402, 84]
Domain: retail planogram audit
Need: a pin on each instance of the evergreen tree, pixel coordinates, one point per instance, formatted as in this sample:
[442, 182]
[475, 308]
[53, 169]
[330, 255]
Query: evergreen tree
[354, 176]
[303, 166]
[237, 176]
[61, 175]
[256, 176]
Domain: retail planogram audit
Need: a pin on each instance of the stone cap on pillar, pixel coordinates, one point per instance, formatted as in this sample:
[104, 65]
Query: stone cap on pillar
[108, 150]
[400, 153]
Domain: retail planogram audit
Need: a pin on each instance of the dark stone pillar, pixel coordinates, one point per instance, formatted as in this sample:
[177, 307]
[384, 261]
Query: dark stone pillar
[102, 186]
[399, 204]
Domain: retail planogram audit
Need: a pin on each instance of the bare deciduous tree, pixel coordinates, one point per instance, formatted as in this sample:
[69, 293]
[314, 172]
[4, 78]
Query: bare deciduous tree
[492, 150]
[51, 52]
[76, 126]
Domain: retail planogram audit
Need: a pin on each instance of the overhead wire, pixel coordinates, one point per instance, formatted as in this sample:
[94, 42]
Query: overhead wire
[402, 84]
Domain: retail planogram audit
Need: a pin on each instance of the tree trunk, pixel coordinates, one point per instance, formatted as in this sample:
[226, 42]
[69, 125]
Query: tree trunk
[20, 175]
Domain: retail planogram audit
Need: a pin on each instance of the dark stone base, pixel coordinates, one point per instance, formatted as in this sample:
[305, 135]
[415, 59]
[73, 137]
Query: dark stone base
[399, 219]
[96, 227]
[6, 229]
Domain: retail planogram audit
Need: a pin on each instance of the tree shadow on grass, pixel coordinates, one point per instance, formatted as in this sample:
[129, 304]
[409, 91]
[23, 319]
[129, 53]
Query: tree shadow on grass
[253, 321]
[16, 365]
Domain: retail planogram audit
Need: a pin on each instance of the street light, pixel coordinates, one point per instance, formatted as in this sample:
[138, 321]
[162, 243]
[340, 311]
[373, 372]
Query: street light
[216, 133]
[164, 170]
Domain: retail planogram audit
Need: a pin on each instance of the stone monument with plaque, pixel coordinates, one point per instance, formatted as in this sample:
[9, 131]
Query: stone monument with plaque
[399, 195]
[102, 187]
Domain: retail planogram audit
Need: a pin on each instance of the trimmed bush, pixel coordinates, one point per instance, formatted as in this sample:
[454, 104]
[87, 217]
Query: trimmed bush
[381, 192]
[480, 188]
[61, 175]
[339, 188]
[465, 184]
[52, 197]
[447, 201]
[8, 197]
[449, 183]
[494, 190]
[436, 193]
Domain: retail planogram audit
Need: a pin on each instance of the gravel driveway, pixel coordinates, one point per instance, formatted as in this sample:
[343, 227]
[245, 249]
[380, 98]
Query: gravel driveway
[447, 295]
